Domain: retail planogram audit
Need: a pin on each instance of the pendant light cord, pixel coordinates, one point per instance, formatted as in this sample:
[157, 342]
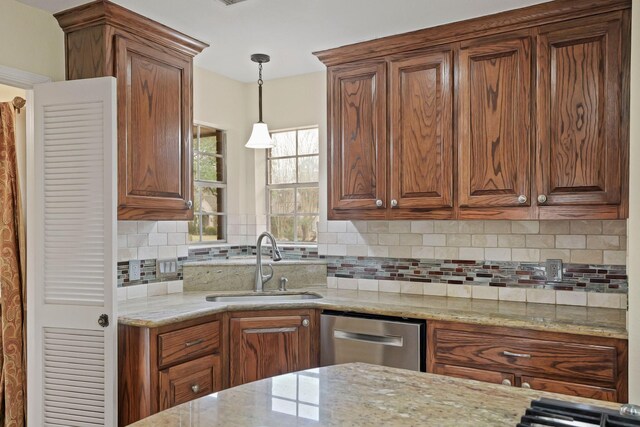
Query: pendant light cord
[260, 92]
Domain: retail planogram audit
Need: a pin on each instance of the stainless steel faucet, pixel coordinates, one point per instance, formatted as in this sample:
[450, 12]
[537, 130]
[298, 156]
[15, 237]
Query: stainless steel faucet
[275, 255]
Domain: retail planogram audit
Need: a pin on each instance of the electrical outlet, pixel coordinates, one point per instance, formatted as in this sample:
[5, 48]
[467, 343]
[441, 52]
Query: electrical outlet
[134, 269]
[554, 270]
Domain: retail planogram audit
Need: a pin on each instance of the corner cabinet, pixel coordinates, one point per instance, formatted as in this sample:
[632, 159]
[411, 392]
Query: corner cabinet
[153, 65]
[576, 365]
[518, 115]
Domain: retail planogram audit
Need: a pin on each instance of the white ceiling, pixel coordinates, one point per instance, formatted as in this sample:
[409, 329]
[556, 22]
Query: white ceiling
[289, 30]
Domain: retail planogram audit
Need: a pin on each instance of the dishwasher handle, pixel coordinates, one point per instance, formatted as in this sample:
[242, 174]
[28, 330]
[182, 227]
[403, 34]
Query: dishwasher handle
[389, 340]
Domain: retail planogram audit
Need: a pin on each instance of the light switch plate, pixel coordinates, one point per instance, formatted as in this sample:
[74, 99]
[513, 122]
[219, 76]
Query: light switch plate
[134, 269]
[554, 270]
[166, 267]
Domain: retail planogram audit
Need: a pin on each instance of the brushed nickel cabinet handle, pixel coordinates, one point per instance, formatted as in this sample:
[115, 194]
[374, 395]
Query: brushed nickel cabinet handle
[526, 385]
[506, 382]
[305, 322]
[195, 388]
[542, 198]
[189, 204]
[522, 199]
[394, 203]
[379, 203]
[194, 342]
[510, 354]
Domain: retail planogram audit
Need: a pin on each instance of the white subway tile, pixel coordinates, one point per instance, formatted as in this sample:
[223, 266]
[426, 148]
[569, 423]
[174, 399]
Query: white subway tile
[167, 227]
[182, 251]
[541, 296]
[458, 240]
[422, 227]
[367, 285]
[346, 238]
[484, 292]
[512, 294]
[122, 293]
[555, 227]
[159, 288]
[497, 227]
[459, 291]
[127, 227]
[525, 255]
[400, 251]
[424, 252]
[414, 288]
[525, 227]
[157, 239]
[357, 250]
[346, 283]
[446, 253]
[122, 241]
[473, 254]
[589, 256]
[137, 240]
[563, 254]
[471, 227]
[445, 227]
[147, 227]
[617, 227]
[484, 240]
[136, 291]
[332, 282]
[615, 257]
[175, 286]
[378, 251]
[511, 240]
[176, 238]
[337, 250]
[497, 254]
[378, 227]
[571, 298]
[542, 241]
[388, 239]
[389, 286]
[569, 241]
[411, 240]
[434, 239]
[148, 252]
[368, 239]
[603, 242]
[586, 227]
[399, 226]
[595, 299]
[337, 226]
[126, 254]
[435, 289]
[167, 252]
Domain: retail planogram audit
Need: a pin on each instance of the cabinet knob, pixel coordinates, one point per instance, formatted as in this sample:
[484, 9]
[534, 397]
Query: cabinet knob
[506, 382]
[305, 323]
[379, 203]
[542, 198]
[195, 388]
[103, 320]
[189, 204]
[526, 385]
[394, 203]
[522, 199]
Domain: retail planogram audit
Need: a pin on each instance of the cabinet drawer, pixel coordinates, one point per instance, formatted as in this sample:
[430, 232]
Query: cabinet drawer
[571, 389]
[190, 380]
[188, 343]
[474, 374]
[573, 361]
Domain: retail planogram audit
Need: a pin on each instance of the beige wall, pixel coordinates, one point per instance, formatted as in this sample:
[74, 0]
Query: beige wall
[31, 40]
[634, 215]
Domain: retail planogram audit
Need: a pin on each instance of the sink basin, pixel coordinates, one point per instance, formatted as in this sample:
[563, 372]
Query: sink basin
[264, 297]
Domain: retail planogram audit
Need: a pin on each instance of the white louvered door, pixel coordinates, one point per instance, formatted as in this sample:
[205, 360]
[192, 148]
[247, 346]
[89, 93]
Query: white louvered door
[72, 359]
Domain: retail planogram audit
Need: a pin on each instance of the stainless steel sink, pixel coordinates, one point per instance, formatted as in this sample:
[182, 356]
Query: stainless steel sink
[264, 297]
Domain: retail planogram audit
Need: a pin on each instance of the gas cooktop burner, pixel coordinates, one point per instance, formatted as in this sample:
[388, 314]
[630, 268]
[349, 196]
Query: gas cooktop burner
[557, 413]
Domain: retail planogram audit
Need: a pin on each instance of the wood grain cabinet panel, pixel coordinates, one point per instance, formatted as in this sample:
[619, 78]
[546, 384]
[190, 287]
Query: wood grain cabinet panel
[153, 65]
[421, 133]
[184, 344]
[586, 366]
[155, 135]
[494, 123]
[357, 157]
[581, 148]
[188, 381]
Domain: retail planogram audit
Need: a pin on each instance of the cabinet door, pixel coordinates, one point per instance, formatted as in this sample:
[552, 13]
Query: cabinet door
[494, 123]
[572, 389]
[262, 347]
[154, 132]
[421, 103]
[578, 113]
[357, 155]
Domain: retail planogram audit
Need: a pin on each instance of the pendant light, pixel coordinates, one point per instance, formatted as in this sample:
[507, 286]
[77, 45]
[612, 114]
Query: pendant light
[260, 138]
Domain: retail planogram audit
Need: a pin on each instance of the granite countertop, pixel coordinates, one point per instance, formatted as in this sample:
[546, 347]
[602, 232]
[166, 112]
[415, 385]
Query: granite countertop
[606, 322]
[251, 260]
[358, 394]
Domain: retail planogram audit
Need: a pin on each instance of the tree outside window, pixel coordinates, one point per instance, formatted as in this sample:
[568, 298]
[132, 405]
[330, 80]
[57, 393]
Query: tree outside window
[210, 185]
[292, 185]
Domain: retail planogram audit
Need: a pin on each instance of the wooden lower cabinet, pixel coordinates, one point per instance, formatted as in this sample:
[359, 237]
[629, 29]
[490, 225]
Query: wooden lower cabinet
[577, 365]
[165, 366]
[265, 344]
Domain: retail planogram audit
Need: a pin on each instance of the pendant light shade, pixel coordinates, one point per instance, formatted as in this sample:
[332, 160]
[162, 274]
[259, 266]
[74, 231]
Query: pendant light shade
[260, 137]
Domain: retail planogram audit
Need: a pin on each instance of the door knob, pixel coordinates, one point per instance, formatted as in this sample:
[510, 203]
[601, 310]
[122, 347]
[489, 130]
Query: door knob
[394, 203]
[506, 382]
[379, 203]
[103, 320]
[526, 385]
[542, 198]
[522, 199]
[305, 323]
[189, 204]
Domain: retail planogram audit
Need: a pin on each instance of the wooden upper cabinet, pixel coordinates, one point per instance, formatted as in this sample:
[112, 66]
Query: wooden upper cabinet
[494, 123]
[421, 131]
[153, 65]
[357, 155]
[580, 101]
[154, 133]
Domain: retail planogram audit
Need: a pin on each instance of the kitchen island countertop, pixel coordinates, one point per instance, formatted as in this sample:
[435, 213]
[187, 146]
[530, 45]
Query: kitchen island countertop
[358, 395]
[605, 322]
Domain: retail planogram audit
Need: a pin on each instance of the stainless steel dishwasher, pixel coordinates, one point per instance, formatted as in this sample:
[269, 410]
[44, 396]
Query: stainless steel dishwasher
[380, 340]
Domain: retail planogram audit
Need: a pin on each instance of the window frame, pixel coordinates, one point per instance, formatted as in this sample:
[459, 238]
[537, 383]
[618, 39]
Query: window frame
[198, 184]
[294, 186]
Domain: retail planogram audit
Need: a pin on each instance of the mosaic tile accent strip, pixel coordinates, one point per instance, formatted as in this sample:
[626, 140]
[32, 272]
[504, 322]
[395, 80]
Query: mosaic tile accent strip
[577, 277]
[148, 266]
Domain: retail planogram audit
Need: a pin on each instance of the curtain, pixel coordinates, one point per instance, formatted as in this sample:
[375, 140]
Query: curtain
[12, 286]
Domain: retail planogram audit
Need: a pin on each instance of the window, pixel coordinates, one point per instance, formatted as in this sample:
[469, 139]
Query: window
[292, 185]
[209, 185]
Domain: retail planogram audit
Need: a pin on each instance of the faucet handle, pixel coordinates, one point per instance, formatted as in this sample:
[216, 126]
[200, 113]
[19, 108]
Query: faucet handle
[283, 283]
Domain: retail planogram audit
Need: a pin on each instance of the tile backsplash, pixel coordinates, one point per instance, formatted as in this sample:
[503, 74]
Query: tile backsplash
[573, 241]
